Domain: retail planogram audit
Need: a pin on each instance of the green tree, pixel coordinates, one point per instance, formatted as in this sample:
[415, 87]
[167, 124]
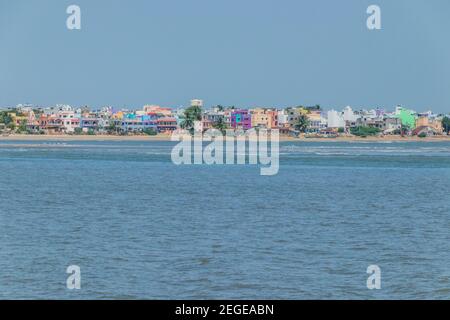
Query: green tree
[5, 118]
[191, 114]
[187, 124]
[446, 124]
[220, 125]
[302, 123]
[22, 126]
[112, 127]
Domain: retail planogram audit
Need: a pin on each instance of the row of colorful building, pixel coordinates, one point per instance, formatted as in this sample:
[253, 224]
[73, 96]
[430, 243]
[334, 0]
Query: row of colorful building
[151, 118]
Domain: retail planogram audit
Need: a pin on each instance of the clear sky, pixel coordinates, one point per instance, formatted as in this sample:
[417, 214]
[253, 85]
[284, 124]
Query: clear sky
[231, 52]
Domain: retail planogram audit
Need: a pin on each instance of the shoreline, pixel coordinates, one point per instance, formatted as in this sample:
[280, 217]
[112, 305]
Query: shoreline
[19, 137]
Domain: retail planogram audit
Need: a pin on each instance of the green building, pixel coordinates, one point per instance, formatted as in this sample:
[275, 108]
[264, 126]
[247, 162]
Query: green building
[408, 117]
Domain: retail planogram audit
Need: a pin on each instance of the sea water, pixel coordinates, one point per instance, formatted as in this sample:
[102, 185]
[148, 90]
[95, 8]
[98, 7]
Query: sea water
[140, 227]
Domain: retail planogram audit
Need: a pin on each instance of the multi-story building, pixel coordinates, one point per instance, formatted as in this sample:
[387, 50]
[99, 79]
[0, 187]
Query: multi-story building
[90, 124]
[227, 117]
[211, 117]
[335, 119]
[293, 114]
[316, 121]
[50, 123]
[69, 120]
[70, 124]
[167, 124]
[264, 118]
[407, 117]
[427, 119]
[32, 122]
[283, 118]
[136, 125]
[241, 119]
[350, 117]
[391, 123]
[370, 119]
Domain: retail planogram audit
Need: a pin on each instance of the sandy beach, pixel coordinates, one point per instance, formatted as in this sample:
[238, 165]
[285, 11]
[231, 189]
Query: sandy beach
[391, 138]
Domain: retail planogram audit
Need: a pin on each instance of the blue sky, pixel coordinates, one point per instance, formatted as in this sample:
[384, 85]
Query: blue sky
[231, 52]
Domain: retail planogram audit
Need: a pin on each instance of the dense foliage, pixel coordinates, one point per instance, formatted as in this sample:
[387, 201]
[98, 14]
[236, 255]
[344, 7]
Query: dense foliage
[364, 131]
[5, 118]
[150, 132]
[446, 124]
[191, 114]
[302, 123]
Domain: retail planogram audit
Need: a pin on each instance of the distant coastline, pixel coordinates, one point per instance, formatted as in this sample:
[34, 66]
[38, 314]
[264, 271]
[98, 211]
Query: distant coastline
[165, 137]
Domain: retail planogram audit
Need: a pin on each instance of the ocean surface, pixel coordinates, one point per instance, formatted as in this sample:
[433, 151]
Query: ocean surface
[141, 227]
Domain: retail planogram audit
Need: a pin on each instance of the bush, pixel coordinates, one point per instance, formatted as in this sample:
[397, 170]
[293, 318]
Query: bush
[78, 131]
[150, 132]
[422, 135]
[340, 130]
[364, 131]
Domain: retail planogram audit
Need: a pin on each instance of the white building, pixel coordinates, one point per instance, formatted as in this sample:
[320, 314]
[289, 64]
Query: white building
[283, 118]
[69, 119]
[349, 115]
[335, 119]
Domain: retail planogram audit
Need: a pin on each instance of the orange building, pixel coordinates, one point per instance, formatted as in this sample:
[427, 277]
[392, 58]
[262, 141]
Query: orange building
[424, 120]
[264, 118]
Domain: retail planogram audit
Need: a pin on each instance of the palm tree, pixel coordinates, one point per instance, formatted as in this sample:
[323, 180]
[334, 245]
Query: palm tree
[191, 115]
[187, 123]
[302, 123]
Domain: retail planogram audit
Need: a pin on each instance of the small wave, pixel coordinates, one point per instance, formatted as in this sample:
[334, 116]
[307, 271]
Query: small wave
[332, 153]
